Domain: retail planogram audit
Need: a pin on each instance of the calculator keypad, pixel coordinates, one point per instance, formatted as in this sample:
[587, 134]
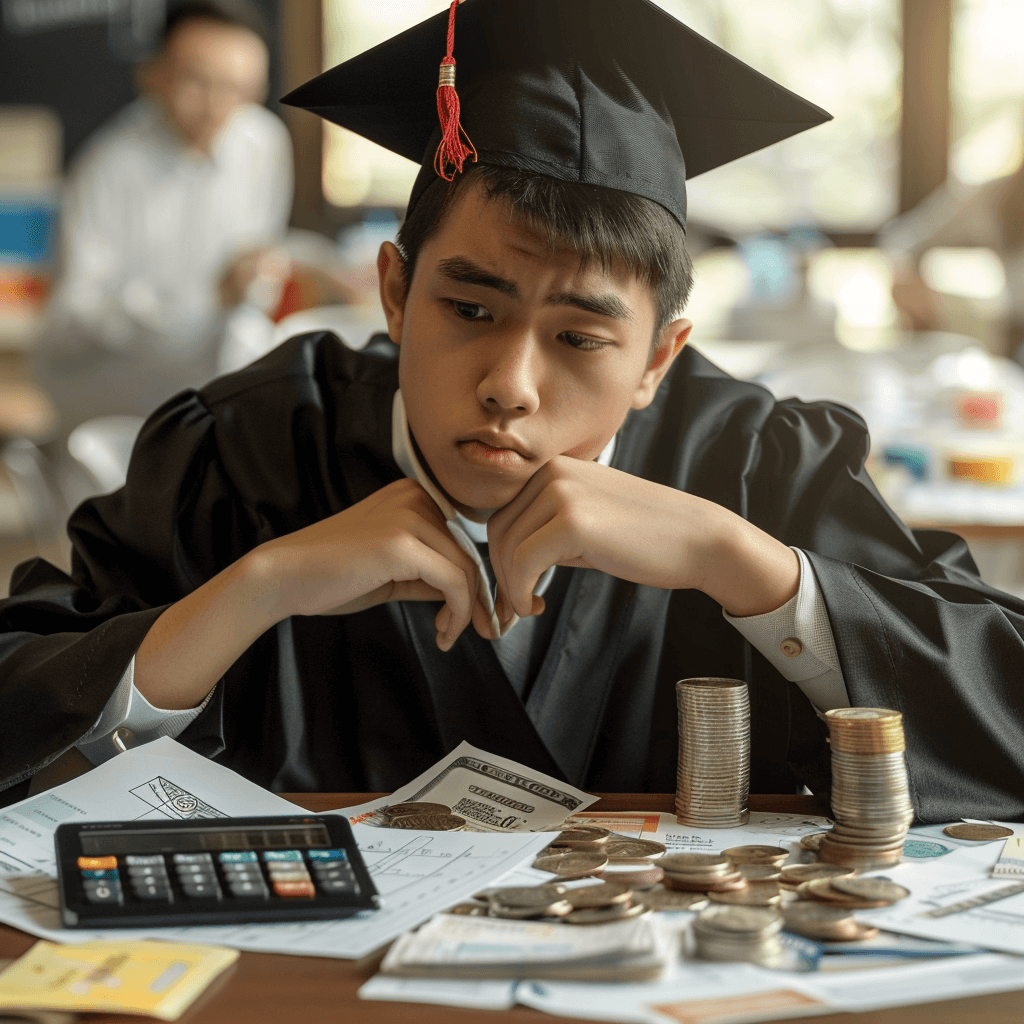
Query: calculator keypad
[244, 875]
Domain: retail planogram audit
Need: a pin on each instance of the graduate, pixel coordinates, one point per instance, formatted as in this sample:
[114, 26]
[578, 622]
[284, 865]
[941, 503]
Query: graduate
[520, 517]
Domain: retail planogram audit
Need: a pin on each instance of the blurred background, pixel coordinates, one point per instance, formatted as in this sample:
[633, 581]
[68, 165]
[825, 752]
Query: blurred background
[164, 219]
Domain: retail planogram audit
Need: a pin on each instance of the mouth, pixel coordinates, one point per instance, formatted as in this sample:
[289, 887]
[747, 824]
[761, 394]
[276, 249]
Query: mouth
[497, 453]
[500, 444]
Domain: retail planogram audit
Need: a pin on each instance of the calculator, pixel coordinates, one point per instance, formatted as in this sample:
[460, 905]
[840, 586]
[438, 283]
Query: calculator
[140, 874]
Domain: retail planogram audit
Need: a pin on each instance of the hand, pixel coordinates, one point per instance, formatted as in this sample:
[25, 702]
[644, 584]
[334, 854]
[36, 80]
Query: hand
[392, 546]
[583, 514]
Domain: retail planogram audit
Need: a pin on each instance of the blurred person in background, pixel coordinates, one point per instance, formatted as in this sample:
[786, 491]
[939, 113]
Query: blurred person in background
[169, 215]
[988, 216]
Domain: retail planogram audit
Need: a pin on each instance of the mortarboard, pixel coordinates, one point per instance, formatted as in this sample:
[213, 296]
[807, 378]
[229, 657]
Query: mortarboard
[608, 92]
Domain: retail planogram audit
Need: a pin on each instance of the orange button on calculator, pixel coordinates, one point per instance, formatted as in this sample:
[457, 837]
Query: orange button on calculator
[294, 888]
[97, 863]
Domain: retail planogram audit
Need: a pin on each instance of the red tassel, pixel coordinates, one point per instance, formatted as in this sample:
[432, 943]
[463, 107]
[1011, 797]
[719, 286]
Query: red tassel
[455, 143]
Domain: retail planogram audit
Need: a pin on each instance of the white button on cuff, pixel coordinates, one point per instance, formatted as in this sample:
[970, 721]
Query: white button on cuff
[791, 647]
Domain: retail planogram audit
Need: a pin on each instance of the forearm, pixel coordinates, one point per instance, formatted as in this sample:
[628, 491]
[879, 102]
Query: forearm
[200, 637]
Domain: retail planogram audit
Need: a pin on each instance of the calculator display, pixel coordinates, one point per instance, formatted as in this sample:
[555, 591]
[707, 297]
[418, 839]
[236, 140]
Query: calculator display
[170, 840]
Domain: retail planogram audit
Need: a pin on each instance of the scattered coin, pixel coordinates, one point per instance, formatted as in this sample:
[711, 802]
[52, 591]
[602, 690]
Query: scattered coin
[636, 877]
[727, 933]
[812, 842]
[818, 921]
[700, 863]
[429, 822]
[822, 889]
[756, 855]
[559, 908]
[754, 894]
[623, 847]
[415, 807]
[469, 909]
[574, 863]
[528, 895]
[602, 895]
[870, 888]
[705, 883]
[977, 833]
[758, 872]
[604, 915]
[582, 838]
[660, 898]
[805, 872]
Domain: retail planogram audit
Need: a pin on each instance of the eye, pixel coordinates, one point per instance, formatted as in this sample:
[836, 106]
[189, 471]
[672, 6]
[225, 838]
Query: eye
[470, 310]
[580, 341]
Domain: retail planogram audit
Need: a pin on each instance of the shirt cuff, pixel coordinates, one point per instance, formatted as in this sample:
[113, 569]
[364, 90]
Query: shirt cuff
[127, 707]
[797, 639]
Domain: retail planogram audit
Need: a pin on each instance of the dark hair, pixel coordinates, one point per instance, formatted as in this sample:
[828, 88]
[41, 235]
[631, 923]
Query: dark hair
[236, 13]
[601, 224]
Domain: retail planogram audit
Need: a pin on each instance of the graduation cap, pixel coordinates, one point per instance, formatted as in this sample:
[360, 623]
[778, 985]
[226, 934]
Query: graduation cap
[608, 92]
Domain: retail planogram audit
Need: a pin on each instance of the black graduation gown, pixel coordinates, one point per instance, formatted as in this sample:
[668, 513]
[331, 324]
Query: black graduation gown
[365, 702]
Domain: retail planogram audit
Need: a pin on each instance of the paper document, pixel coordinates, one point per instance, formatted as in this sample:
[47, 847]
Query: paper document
[964, 875]
[418, 874]
[492, 793]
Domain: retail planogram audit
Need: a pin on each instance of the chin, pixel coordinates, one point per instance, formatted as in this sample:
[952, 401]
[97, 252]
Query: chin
[485, 498]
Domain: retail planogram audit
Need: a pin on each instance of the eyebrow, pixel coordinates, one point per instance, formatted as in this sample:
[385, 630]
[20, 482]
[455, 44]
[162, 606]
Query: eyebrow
[465, 271]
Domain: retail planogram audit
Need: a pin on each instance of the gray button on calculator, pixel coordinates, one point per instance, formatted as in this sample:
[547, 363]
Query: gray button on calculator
[99, 890]
[250, 890]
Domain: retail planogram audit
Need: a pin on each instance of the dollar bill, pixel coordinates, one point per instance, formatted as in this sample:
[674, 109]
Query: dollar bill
[492, 793]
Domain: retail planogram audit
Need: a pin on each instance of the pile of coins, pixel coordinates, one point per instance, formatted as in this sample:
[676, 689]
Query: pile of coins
[713, 774]
[825, 909]
[748, 934]
[870, 794]
[592, 904]
[423, 816]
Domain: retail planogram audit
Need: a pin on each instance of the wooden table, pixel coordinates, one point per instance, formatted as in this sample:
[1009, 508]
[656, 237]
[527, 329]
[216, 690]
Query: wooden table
[271, 989]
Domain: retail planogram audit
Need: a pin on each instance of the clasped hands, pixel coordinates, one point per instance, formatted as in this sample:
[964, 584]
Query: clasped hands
[395, 546]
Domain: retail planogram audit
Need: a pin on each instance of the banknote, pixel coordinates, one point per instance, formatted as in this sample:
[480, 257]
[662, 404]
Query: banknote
[492, 793]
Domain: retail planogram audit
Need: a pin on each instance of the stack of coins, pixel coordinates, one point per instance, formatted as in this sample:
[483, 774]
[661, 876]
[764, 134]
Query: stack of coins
[738, 933]
[870, 795]
[700, 872]
[591, 904]
[825, 923]
[713, 775]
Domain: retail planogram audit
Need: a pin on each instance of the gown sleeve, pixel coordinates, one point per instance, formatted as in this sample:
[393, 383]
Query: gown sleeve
[67, 639]
[915, 627]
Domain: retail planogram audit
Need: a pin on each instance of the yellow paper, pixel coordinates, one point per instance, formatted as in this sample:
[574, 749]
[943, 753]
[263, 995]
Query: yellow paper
[158, 978]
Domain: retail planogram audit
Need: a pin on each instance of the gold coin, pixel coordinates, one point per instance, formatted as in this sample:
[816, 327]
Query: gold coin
[756, 855]
[758, 872]
[429, 822]
[822, 889]
[557, 909]
[415, 807]
[527, 895]
[977, 833]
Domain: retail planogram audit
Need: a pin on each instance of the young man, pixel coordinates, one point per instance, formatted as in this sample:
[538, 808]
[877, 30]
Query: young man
[172, 198]
[297, 577]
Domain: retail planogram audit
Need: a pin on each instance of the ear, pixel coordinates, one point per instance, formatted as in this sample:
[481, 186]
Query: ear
[671, 340]
[391, 278]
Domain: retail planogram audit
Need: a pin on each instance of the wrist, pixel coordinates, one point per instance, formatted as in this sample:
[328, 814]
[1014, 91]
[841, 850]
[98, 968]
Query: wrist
[254, 583]
[748, 571]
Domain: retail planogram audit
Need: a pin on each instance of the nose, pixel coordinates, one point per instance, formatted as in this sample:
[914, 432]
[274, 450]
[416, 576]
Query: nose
[510, 384]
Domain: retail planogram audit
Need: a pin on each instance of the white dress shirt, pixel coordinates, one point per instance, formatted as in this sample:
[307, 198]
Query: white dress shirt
[148, 227]
[796, 638]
